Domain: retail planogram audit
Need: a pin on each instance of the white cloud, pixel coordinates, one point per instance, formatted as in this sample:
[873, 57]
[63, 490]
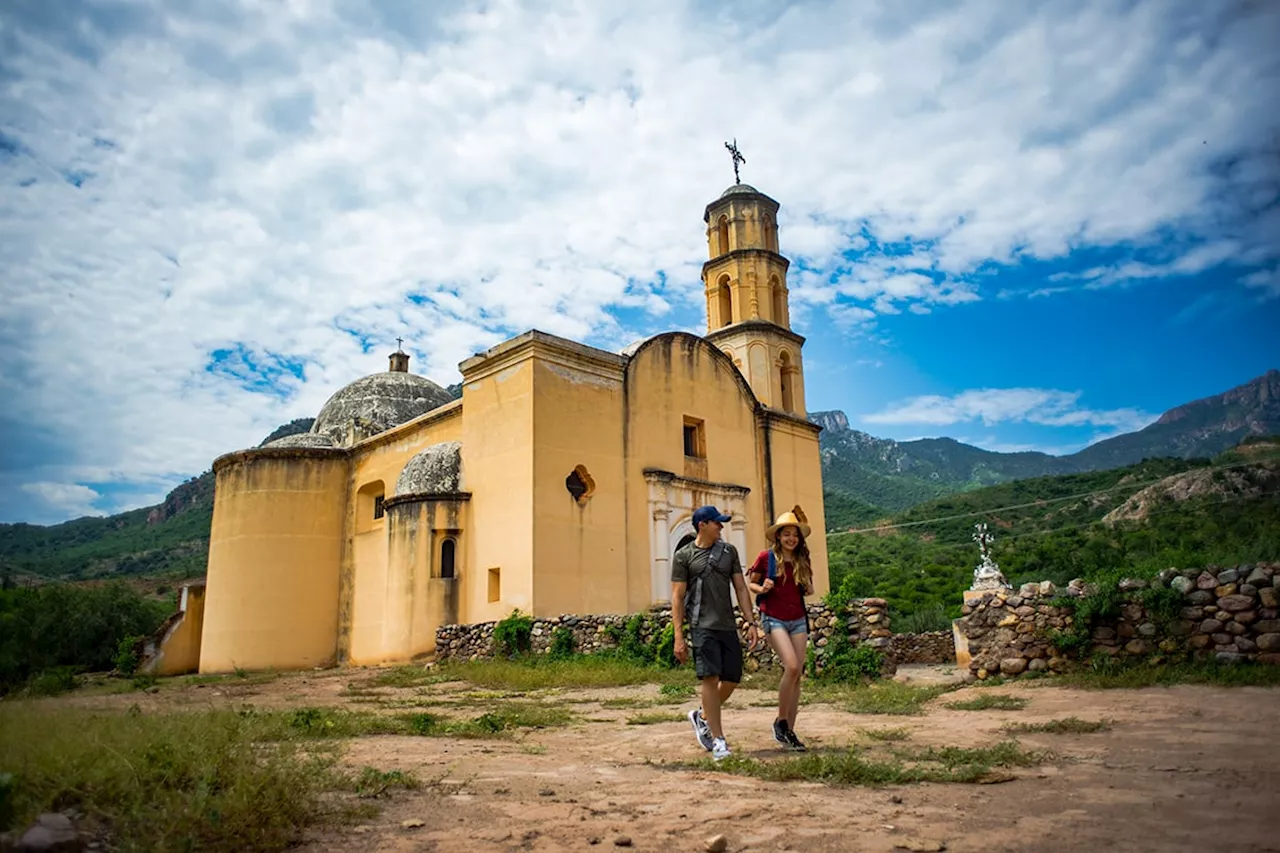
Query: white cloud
[1265, 282]
[280, 179]
[1008, 405]
[66, 499]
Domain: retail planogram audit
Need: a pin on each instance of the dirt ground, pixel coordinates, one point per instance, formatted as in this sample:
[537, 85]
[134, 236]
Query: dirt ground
[1188, 768]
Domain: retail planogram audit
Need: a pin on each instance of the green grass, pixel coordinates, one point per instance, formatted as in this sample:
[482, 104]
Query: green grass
[1114, 676]
[577, 672]
[990, 702]
[672, 693]
[192, 781]
[850, 767]
[887, 735]
[655, 718]
[1066, 725]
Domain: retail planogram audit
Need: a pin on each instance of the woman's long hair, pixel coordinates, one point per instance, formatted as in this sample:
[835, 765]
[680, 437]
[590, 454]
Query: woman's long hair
[799, 558]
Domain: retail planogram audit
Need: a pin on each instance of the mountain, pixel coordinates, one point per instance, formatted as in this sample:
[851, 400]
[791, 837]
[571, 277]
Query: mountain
[1133, 520]
[892, 476]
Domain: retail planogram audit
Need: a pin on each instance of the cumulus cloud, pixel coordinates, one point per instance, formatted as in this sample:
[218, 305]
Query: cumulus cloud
[216, 215]
[1001, 405]
[65, 499]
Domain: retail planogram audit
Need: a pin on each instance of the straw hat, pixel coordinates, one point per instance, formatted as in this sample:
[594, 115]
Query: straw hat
[794, 518]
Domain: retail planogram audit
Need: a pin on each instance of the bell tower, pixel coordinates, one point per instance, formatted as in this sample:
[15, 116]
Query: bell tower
[745, 280]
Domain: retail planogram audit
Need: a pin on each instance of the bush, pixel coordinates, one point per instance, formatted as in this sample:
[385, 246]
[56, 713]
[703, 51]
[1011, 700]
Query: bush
[563, 644]
[126, 659]
[60, 626]
[846, 662]
[54, 681]
[512, 636]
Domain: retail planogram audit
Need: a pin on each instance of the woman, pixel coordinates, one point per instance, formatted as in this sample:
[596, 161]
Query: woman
[780, 577]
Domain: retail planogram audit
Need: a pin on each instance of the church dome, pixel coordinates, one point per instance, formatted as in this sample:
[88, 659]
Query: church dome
[435, 471]
[377, 403]
[740, 189]
[303, 439]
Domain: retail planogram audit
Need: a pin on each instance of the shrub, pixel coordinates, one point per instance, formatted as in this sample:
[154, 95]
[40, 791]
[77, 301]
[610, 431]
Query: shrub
[563, 644]
[512, 635]
[845, 661]
[126, 659]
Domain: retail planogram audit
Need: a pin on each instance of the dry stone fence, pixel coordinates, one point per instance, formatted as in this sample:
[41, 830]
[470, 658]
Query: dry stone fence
[1229, 615]
[865, 621]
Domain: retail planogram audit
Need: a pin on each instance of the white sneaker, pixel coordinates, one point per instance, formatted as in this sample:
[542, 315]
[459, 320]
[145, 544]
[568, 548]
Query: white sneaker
[719, 749]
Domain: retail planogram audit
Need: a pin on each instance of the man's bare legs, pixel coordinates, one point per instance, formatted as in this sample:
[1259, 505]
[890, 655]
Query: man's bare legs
[714, 694]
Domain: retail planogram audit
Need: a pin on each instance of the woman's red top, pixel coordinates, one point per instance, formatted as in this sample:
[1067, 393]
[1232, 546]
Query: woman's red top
[784, 601]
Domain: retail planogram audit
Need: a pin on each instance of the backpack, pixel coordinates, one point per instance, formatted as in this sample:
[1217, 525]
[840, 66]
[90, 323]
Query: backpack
[773, 576]
[693, 592]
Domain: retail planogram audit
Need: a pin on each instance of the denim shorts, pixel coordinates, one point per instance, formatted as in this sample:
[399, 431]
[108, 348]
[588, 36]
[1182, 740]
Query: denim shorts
[791, 626]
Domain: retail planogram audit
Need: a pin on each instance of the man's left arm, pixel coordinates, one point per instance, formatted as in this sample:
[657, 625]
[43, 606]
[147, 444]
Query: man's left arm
[745, 601]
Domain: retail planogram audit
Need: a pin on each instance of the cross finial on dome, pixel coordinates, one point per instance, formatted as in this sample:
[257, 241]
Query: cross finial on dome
[399, 358]
[737, 158]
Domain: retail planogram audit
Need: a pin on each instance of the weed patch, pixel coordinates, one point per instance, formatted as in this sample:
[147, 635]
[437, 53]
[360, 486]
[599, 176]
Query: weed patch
[655, 718]
[850, 767]
[1119, 676]
[192, 781]
[990, 702]
[541, 672]
[1067, 725]
[887, 735]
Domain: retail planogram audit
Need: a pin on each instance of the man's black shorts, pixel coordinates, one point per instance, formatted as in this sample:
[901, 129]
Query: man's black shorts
[717, 653]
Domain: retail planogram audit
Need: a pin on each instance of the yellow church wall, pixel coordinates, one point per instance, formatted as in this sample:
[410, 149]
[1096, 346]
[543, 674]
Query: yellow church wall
[376, 466]
[179, 649]
[579, 558]
[797, 479]
[672, 378]
[497, 464]
[275, 549]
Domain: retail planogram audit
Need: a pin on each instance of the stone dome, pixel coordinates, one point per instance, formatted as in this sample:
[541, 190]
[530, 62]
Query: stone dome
[436, 470]
[302, 439]
[377, 403]
[740, 189]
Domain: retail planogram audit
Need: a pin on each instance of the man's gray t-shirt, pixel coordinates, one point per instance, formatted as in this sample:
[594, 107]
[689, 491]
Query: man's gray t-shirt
[717, 581]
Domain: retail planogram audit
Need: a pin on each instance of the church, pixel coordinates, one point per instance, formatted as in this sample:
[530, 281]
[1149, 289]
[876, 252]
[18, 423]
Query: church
[561, 481]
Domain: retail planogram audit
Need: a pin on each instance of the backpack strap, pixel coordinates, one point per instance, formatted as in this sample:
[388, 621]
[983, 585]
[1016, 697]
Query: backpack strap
[693, 593]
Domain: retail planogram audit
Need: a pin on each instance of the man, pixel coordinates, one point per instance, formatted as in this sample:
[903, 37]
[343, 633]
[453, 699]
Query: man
[704, 570]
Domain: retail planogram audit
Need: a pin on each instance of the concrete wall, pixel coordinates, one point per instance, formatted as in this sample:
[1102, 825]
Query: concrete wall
[670, 378]
[580, 556]
[175, 647]
[368, 584]
[275, 551]
[497, 461]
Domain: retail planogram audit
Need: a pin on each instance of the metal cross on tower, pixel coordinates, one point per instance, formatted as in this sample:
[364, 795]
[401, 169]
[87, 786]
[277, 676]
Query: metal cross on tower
[737, 158]
[399, 342]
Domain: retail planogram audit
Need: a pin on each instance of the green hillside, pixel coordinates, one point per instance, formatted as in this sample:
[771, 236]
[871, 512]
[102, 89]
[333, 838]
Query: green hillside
[1052, 528]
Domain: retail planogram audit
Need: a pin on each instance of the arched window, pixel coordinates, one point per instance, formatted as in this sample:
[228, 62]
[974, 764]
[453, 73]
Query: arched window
[723, 231]
[784, 375]
[769, 232]
[725, 297]
[779, 301]
[448, 549]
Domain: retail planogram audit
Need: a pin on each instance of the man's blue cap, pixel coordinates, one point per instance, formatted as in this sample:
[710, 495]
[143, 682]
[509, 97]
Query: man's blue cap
[708, 513]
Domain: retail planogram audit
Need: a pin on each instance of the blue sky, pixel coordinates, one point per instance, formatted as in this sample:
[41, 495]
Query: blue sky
[1026, 225]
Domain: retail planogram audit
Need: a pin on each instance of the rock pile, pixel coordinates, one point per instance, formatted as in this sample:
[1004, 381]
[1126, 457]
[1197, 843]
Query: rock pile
[1231, 615]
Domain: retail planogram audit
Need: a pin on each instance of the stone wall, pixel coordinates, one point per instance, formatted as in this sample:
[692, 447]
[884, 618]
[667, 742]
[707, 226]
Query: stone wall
[866, 621]
[929, 647]
[1230, 615]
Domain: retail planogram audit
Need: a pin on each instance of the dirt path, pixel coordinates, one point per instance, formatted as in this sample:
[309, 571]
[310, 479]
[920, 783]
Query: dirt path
[1182, 769]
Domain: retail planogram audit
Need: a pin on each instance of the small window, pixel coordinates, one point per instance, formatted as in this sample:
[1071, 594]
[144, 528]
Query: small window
[695, 444]
[379, 508]
[495, 585]
[448, 549]
[580, 485]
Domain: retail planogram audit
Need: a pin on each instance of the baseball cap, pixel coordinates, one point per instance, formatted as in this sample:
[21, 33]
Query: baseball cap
[708, 513]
